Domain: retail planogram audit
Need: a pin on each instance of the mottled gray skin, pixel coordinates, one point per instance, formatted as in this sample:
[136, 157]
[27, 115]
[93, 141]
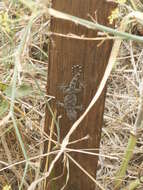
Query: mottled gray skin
[70, 98]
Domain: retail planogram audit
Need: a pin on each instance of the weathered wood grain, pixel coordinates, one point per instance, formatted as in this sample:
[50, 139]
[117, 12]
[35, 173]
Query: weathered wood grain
[63, 53]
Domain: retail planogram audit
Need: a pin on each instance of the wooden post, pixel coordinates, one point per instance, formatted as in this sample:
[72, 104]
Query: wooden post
[64, 52]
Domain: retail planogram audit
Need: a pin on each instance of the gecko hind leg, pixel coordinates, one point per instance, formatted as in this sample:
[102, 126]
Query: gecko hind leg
[79, 107]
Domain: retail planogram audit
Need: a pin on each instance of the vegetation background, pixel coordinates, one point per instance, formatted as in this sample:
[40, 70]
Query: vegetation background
[24, 34]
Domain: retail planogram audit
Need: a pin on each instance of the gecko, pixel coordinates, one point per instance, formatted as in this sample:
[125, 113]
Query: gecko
[70, 91]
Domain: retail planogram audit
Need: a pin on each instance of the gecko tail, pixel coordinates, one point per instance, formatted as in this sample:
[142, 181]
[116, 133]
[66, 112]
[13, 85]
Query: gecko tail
[72, 115]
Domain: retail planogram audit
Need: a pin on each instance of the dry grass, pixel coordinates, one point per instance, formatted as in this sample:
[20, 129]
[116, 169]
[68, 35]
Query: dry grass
[29, 110]
[121, 107]
[120, 110]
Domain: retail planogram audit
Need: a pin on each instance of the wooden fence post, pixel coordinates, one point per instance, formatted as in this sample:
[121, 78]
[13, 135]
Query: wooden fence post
[64, 54]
